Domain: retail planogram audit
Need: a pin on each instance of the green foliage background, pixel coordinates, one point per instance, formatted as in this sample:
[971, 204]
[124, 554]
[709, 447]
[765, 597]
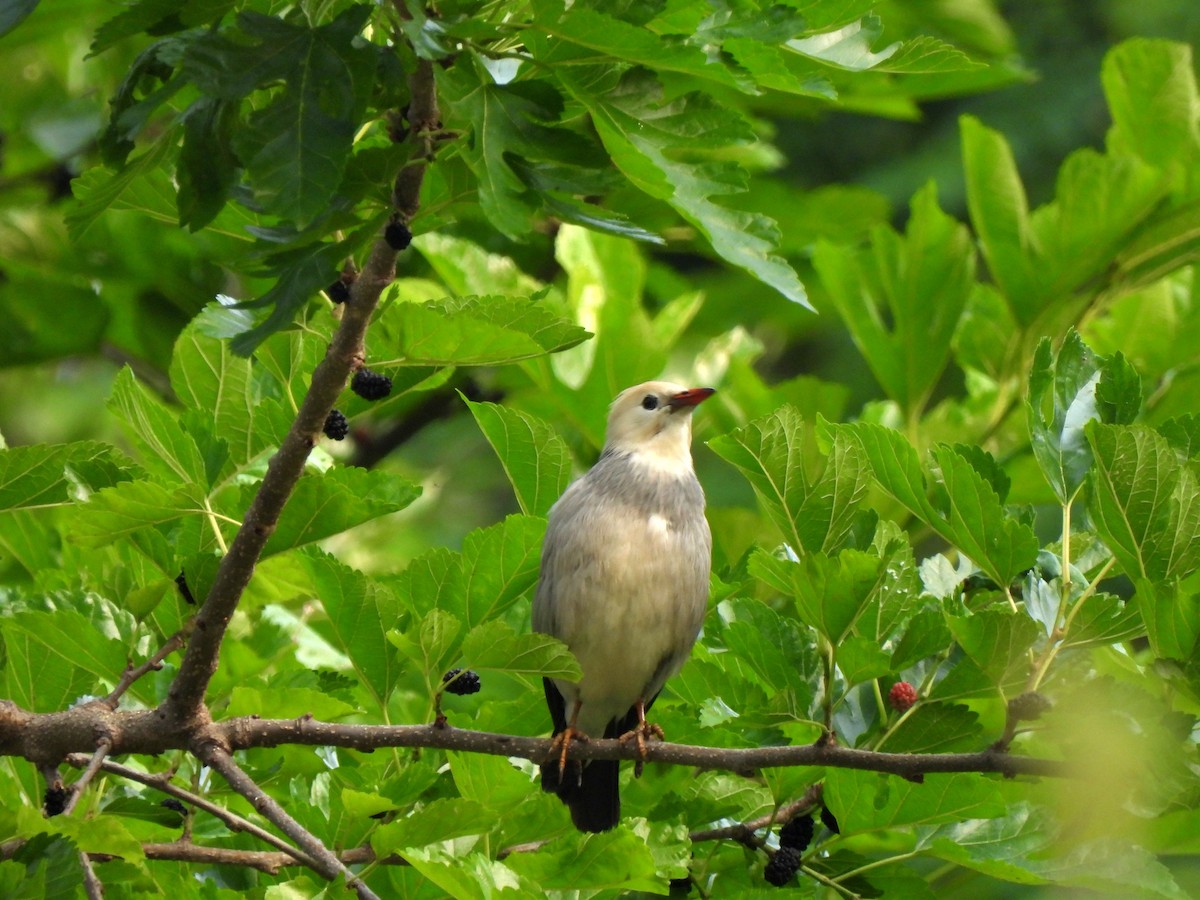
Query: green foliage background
[974, 470]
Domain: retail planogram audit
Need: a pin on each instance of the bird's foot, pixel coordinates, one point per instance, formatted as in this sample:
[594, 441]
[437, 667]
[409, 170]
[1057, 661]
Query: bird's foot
[642, 733]
[562, 743]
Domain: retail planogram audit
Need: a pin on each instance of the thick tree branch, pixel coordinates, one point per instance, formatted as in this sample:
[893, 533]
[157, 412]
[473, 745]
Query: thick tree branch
[327, 863]
[185, 702]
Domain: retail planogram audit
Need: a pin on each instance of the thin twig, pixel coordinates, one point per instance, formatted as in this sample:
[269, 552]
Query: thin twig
[103, 748]
[92, 885]
[132, 673]
[327, 863]
[232, 821]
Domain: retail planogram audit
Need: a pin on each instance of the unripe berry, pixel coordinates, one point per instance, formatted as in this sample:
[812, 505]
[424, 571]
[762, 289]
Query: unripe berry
[902, 696]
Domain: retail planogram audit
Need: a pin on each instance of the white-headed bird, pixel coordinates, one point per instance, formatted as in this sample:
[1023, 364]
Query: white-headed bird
[624, 583]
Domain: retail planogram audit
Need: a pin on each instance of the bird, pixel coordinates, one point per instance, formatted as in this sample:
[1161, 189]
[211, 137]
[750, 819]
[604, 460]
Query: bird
[624, 584]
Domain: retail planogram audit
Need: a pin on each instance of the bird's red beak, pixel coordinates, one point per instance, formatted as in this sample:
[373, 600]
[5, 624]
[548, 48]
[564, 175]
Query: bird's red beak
[690, 397]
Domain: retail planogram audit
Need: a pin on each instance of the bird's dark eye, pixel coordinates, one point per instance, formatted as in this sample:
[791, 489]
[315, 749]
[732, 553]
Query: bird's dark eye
[649, 402]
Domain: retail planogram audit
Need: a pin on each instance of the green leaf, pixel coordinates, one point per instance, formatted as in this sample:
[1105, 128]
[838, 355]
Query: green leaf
[830, 592]
[812, 500]
[360, 613]
[39, 680]
[902, 297]
[209, 379]
[966, 509]
[167, 451]
[14, 14]
[1150, 86]
[286, 703]
[863, 801]
[434, 644]
[1000, 214]
[617, 859]
[473, 331]
[1145, 502]
[997, 640]
[1007, 848]
[937, 728]
[926, 635]
[441, 820]
[72, 642]
[207, 169]
[120, 511]
[519, 157]
[494, 645]
[769, 647]
[1105, 619]
[1062, 400]
[53, 474]
[294, 145]
[647, 134]
[860, 659]
[535, 459]
[328, 503]
[1172, 619]
[97, 190]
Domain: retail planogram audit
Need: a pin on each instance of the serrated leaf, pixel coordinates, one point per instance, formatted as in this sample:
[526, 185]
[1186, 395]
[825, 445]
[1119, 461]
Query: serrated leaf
[166, 450]
[645, 133]
[1104, 619]
[432, 644]
[966, 510]
[864, 801]
[811, 500]
[494, 645]
[360, 611]
[1172, 619]
[295, 144]
[1145, 502]
[473, 331]
[441, 820]
[860, 659]
[97, 189]
[926, 635]
[120, 511]
[617, 859]
[72, 642]
[535, 459]
[937, 728]
[997, 640]
[902, 297]
[328, 503]
[53, 474]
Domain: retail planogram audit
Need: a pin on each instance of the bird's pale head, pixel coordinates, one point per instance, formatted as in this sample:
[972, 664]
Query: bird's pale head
[653, 423]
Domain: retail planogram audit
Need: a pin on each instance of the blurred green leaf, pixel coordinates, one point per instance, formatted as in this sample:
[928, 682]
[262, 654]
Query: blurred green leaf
[902, 297]
[1150, 86]
[166, 450]
[52, 474]
[1172, 619]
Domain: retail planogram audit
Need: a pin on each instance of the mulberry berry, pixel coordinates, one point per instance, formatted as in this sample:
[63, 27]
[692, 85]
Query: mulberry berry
[1028, 706]
[336, 426]
[56, 799]
[339, 291]
[397, 235]
[782, 868]
[370, 385]
[902, 696]
[459, 682]
[797, 834]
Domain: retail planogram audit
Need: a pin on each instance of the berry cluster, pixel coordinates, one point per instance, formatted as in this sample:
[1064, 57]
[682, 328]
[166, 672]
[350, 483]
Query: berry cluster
[336, 426]
[784, 864]
[370, 385]
[902, 696]
[461, 682]
[797, 834]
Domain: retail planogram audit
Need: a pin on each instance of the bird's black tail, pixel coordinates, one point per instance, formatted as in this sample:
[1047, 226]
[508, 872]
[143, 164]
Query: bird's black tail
[590, 790]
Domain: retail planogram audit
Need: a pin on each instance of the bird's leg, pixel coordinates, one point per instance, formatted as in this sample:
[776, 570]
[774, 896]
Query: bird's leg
[641, 733]
[562, 741]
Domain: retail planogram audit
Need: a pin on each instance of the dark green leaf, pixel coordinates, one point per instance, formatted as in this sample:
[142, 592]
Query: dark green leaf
[1172, 619]
[937, 728]
[207, 168]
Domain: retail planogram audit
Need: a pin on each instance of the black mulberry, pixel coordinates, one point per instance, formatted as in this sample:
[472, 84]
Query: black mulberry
[797, 834]
[830, 821]
[339, 291]
[465, 683]
[783, 866]
[398, 236]
[336, 426]
[370, 385]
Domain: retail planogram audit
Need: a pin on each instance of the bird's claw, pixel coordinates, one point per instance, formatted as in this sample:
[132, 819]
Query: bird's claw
[642, 733]
[562, 744]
